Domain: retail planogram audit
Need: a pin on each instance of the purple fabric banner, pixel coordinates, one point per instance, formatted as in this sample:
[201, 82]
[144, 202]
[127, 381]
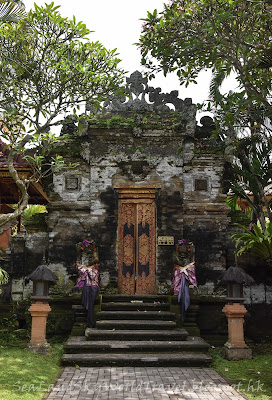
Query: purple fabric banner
[89, 280]
[89, 275]
[182, 278]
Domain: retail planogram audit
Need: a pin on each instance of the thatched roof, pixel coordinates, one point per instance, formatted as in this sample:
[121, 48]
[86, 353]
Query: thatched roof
[42, 273]
[236, 275]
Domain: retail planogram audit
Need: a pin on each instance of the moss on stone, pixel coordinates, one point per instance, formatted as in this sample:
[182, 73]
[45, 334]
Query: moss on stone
[36, 222]
[209, 145]
[67, 147]
[173, 120]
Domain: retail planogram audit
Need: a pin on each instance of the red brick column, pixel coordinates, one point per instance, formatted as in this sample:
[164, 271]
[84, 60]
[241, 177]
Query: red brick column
[39, 312]
[236, 347]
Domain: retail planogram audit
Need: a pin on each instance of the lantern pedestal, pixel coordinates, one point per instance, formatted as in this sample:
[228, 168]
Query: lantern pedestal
[39, 312]
[236, 348]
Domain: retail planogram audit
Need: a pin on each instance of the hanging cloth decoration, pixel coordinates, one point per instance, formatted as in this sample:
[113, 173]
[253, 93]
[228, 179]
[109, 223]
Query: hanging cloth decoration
[88, 276]
[182, 278]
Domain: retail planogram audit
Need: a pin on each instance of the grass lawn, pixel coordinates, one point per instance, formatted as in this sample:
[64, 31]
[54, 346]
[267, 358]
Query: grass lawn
[26, 375]
[252, 377]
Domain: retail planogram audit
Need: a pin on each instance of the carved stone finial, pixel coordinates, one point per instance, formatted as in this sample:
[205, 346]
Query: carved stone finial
[137, 83]
[69, 127]
[206, 129]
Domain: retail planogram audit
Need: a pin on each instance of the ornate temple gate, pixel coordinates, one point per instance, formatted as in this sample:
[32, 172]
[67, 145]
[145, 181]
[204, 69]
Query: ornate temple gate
[137, 239]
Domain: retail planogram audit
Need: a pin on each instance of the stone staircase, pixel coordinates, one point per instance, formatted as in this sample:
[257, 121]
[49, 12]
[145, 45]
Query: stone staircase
[134, 331]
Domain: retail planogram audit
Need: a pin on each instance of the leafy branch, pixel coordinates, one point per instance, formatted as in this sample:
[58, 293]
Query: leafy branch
[48, 65]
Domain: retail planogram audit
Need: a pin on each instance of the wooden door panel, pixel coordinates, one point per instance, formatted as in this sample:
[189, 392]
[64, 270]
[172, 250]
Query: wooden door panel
[145, 251]
[137, 240]
[126, 248]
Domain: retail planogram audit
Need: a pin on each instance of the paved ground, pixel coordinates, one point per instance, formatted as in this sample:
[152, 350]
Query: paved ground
[146, 383]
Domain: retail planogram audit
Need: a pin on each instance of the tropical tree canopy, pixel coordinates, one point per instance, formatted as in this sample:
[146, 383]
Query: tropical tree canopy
[11, 10]
[190, 36]
[48, 65]
[224, 35]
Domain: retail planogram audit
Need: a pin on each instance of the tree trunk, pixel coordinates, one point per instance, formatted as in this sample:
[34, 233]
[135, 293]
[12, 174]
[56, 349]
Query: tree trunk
[23, 186]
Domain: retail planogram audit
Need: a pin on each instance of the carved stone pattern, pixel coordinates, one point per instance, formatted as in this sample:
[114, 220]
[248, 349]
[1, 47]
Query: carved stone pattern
[201, 184]
[137, 89]
[71, 183]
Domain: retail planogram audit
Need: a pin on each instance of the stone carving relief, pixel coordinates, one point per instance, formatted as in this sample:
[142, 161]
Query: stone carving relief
[208, 126]
[137, 93]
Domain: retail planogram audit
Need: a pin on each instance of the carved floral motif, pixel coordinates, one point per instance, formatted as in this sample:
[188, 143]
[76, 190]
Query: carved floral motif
[138, 92]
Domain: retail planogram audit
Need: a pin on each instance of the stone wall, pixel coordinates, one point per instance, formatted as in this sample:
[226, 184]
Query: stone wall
[134, 142]
[140, 142]
[189, 204]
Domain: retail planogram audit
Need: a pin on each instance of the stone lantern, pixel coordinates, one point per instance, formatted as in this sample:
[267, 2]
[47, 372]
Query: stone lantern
[41, 277]
[235, 278]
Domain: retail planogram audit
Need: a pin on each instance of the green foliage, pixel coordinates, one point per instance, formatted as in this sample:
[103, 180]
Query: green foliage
[33, 209]
[47, 66]
[3, 276]
[26, 375]
[226, 36]
[8, 329]
[11, 10]
[117, 121]
[152, 120]
[253, 174]
[189, 36]
[259, 243]
[251, 377]
[232, 201]
[266, 59]
[107, 121]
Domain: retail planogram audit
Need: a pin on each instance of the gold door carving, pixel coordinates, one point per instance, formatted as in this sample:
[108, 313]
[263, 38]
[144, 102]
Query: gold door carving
[137, 240]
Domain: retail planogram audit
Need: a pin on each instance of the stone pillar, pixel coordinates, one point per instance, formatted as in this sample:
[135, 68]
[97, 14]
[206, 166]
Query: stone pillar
[39, 312]
[236, 348]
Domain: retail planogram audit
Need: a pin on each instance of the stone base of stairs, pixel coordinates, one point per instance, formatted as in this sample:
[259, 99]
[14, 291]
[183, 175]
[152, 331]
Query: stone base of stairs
[136, 360]
[135, 331]
[81, 345]
[128, 335]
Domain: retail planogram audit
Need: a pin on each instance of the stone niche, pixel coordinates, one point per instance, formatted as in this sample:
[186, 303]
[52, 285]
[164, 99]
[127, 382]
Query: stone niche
[147, 141]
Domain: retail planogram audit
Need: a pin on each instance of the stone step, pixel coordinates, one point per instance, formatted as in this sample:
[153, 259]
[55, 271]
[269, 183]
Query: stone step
[141, 360]
[127, 306]
[80, 345]
[189, 320]
[79, 329]
[127, 335]
[81, 319]
[77, 307]
[134, 331]
[77, 301]
[141, 314]
[82, 313]
[146, 298]
[136, 324]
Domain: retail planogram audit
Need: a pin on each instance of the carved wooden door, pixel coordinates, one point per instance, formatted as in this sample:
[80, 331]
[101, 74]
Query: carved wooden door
[137, 241]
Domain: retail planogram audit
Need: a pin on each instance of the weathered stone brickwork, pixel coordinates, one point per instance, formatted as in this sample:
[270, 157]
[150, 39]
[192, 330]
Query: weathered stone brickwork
[136, 141]
[141, 143]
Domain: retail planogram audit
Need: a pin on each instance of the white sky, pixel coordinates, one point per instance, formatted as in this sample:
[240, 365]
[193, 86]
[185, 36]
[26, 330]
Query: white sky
[116, 24]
